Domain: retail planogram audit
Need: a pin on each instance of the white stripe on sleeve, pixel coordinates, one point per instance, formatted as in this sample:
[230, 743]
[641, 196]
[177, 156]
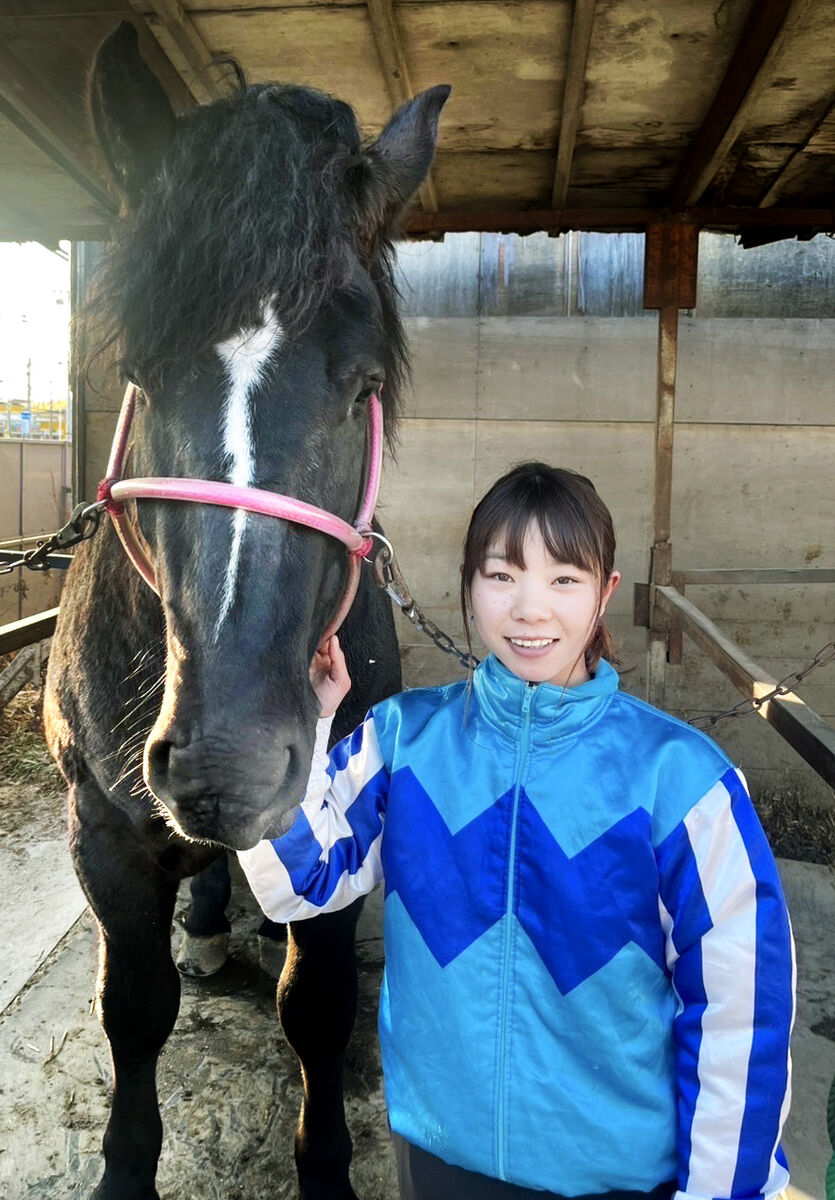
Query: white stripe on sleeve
[728, 952]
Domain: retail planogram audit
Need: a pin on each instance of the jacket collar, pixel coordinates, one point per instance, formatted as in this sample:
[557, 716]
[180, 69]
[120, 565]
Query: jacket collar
[556, 712]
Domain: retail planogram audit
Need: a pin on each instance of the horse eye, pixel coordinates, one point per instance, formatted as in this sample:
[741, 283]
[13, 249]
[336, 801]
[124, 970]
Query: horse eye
[370, 387]
[362, 397]
[131, 375]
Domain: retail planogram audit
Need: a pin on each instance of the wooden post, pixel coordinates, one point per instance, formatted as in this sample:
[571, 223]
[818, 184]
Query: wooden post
[670, 263]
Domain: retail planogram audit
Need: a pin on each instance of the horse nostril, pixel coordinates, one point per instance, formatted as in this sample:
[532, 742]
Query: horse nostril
[175, 773]
[159, 756]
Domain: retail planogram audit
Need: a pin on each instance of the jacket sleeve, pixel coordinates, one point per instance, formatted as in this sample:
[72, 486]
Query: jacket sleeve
[730, 952]
[331, 854]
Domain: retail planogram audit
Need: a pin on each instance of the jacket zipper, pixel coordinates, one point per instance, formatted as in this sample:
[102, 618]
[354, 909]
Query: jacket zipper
[504, 1004]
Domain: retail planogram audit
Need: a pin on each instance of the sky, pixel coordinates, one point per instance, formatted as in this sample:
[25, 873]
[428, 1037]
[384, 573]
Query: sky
[34, 322]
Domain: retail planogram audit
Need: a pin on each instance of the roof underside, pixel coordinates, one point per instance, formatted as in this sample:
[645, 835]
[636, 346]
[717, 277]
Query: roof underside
[564, 113]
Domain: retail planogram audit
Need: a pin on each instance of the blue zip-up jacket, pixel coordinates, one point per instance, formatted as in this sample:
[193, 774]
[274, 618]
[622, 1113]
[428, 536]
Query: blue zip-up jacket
[589, 965]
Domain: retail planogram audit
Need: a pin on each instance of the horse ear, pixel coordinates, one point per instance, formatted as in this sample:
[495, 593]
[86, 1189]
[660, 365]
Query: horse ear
[399, 160]
[132, 117]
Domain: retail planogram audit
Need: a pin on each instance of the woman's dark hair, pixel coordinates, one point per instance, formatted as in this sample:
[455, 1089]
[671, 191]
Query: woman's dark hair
[575, 524]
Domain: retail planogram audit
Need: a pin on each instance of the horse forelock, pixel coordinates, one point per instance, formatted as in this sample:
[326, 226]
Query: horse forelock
[254, 203]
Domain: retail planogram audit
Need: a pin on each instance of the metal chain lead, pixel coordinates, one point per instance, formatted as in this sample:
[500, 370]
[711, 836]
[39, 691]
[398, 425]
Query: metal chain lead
[82, 525]
[786, 685]
[389, 577]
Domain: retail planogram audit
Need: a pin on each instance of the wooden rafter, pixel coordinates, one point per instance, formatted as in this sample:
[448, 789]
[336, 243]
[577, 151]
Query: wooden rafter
[179, 38]
[778, 183]
[575, 78]
[613, 219]
[386, 30]
[749, 72]
[25, 228]
[32, 109]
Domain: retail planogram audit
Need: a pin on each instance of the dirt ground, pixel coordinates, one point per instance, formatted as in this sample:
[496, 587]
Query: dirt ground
[228, 1083]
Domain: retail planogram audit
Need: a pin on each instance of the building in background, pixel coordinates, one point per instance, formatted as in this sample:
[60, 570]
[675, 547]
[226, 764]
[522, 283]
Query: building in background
[34, 341]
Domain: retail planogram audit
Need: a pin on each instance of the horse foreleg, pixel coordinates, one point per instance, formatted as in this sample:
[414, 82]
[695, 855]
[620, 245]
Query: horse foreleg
[317, 1001]
[205, 945]
[138, 986]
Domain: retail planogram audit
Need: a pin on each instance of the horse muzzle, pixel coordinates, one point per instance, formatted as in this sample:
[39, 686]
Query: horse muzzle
[233, 798]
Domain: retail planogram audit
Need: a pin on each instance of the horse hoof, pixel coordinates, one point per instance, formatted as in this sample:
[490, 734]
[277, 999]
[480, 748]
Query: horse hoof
[122, 1189]
[200, 956]
[271, 955]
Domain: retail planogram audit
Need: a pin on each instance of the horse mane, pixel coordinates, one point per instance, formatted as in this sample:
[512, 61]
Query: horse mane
[257, 196]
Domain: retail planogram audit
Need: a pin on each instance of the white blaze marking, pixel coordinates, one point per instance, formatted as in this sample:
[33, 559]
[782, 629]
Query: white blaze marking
[244, 355]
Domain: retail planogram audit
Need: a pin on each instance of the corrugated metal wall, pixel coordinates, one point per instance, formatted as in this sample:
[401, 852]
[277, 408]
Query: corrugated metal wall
[34, 498]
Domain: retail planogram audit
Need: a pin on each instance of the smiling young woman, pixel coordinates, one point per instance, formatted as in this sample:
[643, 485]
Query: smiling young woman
[580, 903]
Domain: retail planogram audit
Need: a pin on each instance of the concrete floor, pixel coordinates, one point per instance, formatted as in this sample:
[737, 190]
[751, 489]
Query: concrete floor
[228, 1083]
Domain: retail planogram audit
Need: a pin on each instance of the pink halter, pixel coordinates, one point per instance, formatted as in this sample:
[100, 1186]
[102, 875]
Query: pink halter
[358, 538]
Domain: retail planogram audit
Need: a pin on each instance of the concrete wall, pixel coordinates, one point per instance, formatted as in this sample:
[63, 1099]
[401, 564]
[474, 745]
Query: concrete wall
[495, 383]
[539, 348]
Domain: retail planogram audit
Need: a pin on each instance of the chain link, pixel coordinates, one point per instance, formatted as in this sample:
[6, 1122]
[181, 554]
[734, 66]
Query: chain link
[389, 577]
[786, 685]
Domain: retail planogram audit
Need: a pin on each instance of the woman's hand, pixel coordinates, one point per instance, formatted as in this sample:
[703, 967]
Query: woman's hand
[329, 676]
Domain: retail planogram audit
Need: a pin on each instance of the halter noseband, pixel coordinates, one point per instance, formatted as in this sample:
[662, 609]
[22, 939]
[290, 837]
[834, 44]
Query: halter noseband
[357, 538]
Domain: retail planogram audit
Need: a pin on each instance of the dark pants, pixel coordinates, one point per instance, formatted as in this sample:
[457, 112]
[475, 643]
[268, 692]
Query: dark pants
[422, 1176]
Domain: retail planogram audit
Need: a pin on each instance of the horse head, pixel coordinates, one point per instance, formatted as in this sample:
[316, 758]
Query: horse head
[249, 290]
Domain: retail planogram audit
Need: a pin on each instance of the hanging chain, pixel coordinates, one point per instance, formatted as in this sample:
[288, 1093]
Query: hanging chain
[786, 685]
[388, 576]
[82, 525]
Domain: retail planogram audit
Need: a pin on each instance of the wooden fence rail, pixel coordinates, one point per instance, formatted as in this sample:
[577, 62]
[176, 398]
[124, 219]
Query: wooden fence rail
[29, 630]
[807, 732]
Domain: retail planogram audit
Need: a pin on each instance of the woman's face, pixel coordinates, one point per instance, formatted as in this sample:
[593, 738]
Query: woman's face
[538, 619]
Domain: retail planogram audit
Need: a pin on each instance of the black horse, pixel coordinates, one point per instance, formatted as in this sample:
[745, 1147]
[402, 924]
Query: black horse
[249, 292]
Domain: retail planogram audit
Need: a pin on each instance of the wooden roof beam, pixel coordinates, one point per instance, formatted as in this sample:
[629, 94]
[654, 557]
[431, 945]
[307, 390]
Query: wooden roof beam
[575, 79]
[614, 220]
[179, 38]
[32, 108]
[749, 72]
[386, 30]
[777, 184]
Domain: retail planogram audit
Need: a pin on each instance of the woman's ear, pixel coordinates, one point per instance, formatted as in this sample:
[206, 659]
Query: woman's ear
[612, 584]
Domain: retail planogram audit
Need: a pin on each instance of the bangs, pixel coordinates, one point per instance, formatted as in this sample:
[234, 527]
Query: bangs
[570, 534]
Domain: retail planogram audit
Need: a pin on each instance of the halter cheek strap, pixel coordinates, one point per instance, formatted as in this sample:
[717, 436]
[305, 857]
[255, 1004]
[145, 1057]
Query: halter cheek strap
[114, 490]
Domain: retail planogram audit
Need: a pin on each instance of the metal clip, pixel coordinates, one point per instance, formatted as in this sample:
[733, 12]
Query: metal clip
[82, 525]
[388, 574]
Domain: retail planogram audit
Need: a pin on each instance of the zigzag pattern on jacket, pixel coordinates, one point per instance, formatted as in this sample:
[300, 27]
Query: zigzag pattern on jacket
[578, 912]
